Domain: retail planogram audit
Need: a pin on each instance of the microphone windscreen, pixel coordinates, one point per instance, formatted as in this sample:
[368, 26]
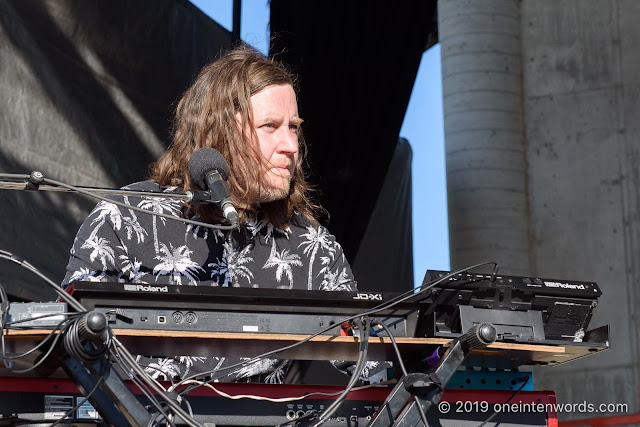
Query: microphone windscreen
[205, 160]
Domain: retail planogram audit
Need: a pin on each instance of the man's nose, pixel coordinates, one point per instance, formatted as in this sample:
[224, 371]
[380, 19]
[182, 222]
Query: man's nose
[288, 141]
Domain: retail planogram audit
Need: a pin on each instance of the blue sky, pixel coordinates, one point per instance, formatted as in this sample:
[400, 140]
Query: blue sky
[422, 126]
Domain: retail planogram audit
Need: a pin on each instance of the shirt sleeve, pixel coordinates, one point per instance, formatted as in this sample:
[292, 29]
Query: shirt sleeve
[97, 249]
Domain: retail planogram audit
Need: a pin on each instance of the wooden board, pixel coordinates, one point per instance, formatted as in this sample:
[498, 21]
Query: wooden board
[503, 355]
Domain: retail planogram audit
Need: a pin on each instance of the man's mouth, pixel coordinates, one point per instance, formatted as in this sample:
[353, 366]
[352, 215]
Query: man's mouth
[280, 170]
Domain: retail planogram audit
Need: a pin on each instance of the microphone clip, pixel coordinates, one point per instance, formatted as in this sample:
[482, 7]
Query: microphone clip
[198, 197]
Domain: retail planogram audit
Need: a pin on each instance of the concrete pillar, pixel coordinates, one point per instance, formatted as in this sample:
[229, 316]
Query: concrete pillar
[484, 136]
[541, 100]
[581, 86]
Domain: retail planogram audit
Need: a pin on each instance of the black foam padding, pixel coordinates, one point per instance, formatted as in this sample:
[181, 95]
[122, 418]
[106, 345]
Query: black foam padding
[205, 160]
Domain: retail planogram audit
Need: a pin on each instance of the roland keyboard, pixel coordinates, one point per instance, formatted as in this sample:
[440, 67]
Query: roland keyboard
[254, 310]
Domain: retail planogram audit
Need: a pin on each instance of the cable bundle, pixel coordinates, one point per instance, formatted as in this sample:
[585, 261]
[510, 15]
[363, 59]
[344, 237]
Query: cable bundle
[86, 337]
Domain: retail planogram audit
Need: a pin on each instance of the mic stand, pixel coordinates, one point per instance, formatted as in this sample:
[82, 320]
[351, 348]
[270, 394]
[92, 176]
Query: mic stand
[399, 409]
[82, 354]
[35, 182]
[113, 400]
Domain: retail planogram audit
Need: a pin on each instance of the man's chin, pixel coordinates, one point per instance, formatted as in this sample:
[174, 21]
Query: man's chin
[273, 194]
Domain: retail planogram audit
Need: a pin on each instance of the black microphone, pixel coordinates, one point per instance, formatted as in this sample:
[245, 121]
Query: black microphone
[210, 171]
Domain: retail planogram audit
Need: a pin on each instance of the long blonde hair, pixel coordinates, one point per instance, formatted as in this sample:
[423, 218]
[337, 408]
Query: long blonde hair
[206, 117]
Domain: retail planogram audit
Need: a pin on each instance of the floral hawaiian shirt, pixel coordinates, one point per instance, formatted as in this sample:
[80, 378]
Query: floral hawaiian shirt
[119, 244]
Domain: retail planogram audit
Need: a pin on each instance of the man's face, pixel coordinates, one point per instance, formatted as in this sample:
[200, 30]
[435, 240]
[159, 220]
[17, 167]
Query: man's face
[276, 121]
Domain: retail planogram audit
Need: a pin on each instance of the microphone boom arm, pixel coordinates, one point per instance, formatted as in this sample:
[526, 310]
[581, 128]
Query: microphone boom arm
[36, 181]
[26, 183]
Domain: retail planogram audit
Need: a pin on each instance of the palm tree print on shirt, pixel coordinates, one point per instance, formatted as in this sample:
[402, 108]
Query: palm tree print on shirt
[84, 274]
[102, 211]
[257, 367]
[255, 227]
[189, 361]
[197, 231]
[219, 270]
[131, 269]
[336, 281]
[236, 268]
[164, 369]
[100, 250]
[283, 261]
[159, 206]
[318, 239]
[132, 226]
[176, 262]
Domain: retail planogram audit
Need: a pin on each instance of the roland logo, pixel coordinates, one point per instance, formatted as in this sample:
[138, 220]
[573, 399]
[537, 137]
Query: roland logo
[565, 285]
[369, 297]
[146, 288]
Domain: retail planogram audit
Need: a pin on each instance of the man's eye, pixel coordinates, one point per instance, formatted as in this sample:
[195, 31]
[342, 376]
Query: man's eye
[294, 127]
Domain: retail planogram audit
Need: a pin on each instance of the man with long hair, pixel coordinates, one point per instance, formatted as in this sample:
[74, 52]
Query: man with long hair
[243, 105]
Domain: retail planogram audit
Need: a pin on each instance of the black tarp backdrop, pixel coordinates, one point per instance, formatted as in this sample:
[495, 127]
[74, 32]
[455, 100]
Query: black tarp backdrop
[87, 91]
[357, 62]
[88, 87]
